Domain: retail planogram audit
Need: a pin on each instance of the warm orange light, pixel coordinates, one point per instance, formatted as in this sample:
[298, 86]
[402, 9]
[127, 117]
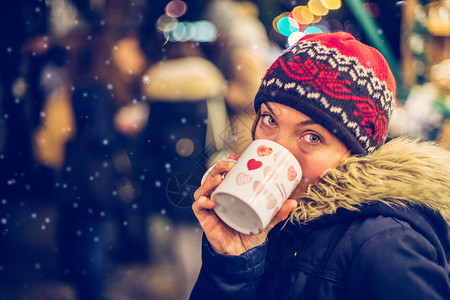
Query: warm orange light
[317, 19]
[439, 18]
[317, 8]
[332, 4]
[302, 15]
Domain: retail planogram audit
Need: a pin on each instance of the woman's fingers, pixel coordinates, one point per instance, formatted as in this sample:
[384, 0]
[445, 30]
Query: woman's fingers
[201, 204]
[222, 166]
[203, 210]
[210, 183]
[234, 156]
[213, 178]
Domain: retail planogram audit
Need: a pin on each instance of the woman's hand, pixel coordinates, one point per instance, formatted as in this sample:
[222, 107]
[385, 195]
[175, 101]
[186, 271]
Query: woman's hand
[222, 238]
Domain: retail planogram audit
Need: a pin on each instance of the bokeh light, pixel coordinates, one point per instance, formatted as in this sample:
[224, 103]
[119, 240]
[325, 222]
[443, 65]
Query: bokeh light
[176, 31]
[176, 8]
[184, 147]
[438, 21]
[372, 9]
[287, 25]
[317, 8]
[324, 26]
[312, 29]
[200, 31]
[295, 37]
[277, 18]
[166, 23]
[316, 19]
[206, 31]
[332, 4]
[190, 31]
[306, 19]
[352, 28]
[302, 15]
[335, 25]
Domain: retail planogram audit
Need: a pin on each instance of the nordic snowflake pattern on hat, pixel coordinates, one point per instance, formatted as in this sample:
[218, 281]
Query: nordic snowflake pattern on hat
[321, 80]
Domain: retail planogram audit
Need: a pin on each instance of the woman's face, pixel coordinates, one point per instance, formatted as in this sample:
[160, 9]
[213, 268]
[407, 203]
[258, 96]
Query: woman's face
[315, 148]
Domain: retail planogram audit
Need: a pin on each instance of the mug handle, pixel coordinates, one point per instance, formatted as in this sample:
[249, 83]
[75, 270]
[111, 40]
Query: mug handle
[210, 169]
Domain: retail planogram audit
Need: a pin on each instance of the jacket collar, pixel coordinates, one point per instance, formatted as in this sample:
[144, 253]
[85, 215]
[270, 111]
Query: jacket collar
[401, 173]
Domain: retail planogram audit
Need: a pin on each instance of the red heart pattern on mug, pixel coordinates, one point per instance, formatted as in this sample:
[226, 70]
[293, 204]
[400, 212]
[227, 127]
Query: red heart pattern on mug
[253, 164]
[271, 201]
[243, 178]
[263, 150]
[292, 174]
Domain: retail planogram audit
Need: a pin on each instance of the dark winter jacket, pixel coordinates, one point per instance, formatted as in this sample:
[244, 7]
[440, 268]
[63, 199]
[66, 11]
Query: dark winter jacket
[376, 227]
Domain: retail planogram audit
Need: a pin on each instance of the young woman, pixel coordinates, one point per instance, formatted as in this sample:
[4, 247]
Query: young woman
[368, 221]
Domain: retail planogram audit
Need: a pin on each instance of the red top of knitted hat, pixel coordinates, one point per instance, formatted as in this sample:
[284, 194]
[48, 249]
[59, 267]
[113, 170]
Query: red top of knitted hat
[367, 56]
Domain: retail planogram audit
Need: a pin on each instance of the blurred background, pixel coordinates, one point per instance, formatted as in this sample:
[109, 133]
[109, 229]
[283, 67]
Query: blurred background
[112, 110]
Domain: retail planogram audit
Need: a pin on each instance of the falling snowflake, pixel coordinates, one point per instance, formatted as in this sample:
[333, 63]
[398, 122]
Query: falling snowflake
[146, 79]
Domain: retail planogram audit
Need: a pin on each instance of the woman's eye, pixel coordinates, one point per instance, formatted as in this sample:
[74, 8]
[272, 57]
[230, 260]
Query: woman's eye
[313, 138]
[269, 120]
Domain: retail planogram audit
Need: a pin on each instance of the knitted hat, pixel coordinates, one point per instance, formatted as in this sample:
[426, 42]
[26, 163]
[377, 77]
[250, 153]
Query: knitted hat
[340, 83]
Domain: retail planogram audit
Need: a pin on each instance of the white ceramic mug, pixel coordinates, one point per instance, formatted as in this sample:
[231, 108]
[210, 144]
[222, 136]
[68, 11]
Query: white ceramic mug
[254, 190]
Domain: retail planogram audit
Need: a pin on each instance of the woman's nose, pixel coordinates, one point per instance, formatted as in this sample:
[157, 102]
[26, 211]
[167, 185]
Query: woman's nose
[285, 141]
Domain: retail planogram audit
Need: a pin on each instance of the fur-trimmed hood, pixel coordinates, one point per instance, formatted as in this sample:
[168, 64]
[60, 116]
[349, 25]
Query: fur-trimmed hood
[402, 172]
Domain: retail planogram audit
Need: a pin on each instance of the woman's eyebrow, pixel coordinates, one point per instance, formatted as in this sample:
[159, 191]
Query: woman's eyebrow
[302, 123]
[306, 122]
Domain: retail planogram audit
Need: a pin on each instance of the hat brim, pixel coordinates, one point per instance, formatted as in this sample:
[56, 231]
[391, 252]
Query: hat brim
[333, 125]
